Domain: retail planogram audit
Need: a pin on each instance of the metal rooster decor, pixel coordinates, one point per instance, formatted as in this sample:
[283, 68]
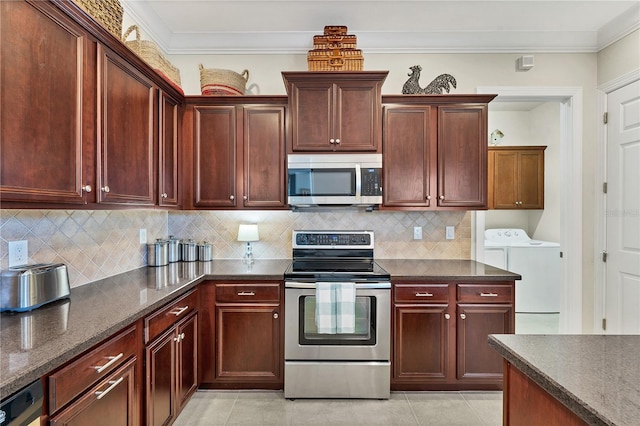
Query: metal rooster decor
[440, 83]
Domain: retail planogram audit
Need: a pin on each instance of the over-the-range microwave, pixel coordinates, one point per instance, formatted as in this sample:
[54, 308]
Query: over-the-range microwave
[334, 180]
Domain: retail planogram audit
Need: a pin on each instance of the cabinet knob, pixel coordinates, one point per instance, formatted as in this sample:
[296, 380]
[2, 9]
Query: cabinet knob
[86, 188]
[245, 197]
[337, 140]
[232, 197]
[275, 315]
[164, 195]
[463, 316]
[428, 197]
[106, 189]
[447, 316]
[332, 141]
[441, 197]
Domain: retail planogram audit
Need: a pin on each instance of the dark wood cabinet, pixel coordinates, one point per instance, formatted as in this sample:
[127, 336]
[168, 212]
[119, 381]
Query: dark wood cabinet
[46, 133]
[339, 111]
[169, 115]
[126, 137]
[161, 379]
[239, 153]
[247, 349]
[440, 333]
[516, 177]
[435, 152]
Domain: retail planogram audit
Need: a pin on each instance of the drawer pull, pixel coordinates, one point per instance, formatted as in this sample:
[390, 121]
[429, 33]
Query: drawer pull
[112, 360]
[488, 294]
[424, 294]
[113, 383]
[246, 293]
[179, 311]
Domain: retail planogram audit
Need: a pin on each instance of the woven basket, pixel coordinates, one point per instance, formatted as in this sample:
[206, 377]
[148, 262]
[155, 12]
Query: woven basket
[107, 12]
[151, 54]
[335, 41]
[215, 81]
[335, 60]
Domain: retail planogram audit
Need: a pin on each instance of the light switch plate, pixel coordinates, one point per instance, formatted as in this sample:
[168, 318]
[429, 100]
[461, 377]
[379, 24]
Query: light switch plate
[450, 233]
[417, 232]
[18, 253]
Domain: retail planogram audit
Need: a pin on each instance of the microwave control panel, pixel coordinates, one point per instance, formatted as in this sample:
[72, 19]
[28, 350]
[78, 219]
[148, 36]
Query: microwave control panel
[371, 182]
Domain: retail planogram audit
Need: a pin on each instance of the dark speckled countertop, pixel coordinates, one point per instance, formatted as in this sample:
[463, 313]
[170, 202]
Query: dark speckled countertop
[597, 377]
[34, 343]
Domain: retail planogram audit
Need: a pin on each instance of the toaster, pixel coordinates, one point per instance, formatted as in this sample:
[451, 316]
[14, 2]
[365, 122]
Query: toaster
[28, 287]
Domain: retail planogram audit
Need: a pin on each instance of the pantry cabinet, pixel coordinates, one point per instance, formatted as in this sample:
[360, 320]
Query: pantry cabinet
[337, 111]
[435, 152]
[245, 332]
[516, 177]
[238, 149]
[441, 330]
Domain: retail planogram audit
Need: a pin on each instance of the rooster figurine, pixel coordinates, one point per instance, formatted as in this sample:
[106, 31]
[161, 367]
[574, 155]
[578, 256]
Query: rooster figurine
[436, 87]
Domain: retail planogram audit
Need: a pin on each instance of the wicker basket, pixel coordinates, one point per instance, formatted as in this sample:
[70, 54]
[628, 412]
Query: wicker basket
[107, 12]
[335, 41]
[151, 54]
[215, 81]
[335, 30]
[335, 60]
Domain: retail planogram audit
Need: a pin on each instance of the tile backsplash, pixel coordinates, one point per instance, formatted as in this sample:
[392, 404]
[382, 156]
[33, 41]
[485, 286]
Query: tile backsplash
[96, 244]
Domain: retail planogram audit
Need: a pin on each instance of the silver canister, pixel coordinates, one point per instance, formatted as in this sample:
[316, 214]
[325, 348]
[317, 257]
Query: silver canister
[157, 253]
[205, 251]
[174, 249]
[188, 250]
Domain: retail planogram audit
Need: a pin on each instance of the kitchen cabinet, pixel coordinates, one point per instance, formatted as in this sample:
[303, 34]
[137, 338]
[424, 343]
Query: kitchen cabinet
[170, 112]
[516, 177]
[247, 344]
[435, 152]
[48, 96]
[99, 387]
[336, 111]
[238, 152]
[441, 330]
[171, 359]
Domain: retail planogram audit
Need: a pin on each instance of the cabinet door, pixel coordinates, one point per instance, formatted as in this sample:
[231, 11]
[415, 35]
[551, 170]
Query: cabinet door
[504, 179]
[356, 119]
[215, 156]
[45, 62]
[126, 136]
[311, 105]
[111, 402]
[248, 347]
[407, 156]
[161, 379]
[264, 156]
[462, 156]
[421, 343]
[168, 152]
[187, 359]
[531, 179]
[476, 360]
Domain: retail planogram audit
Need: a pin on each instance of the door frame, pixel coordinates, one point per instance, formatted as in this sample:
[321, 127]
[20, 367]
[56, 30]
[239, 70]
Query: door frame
[571, 125]
[599, 239]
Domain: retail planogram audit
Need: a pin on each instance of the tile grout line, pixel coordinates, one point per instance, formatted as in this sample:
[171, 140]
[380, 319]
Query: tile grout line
[473, 409]
[415, 417]
[226, 421]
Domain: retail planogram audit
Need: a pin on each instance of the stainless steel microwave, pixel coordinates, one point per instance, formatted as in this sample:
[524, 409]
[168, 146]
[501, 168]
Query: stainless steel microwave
[334, 179]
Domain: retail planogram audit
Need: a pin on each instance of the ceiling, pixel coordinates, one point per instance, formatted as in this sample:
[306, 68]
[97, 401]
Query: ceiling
[413, 26]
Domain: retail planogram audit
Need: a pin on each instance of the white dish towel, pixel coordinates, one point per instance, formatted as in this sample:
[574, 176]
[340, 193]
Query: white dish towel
[335, 307]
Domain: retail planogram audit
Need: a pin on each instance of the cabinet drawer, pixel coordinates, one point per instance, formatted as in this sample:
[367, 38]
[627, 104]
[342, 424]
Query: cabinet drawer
[248, 293]
[485, 293]
[75, 377]
[432, 293]
[162, 319]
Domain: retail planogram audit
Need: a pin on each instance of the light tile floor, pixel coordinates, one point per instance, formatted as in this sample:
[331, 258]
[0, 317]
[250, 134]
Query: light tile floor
[257, 408]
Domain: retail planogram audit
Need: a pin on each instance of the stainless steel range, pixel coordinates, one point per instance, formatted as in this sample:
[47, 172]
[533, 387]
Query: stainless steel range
[338, 312]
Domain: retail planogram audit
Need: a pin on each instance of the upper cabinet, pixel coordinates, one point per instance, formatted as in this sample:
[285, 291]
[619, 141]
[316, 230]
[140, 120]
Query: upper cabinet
[168, 154]
[516, 177]
[435, 152]
[335, 111]
[238, 146]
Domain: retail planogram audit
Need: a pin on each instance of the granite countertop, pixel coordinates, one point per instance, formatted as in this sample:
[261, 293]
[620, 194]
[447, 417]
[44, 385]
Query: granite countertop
[597, 377]
[433, 269]
[34, 343]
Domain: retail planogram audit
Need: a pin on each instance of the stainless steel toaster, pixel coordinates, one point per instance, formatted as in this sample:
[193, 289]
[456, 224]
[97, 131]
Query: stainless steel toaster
[28, 287]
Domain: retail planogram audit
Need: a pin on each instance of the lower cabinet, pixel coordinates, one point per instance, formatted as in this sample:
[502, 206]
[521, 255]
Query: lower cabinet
[245, 328]
[441, 330]
[171, 362]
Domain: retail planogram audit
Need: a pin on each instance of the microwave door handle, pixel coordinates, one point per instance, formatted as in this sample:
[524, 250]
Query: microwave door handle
[358, 182]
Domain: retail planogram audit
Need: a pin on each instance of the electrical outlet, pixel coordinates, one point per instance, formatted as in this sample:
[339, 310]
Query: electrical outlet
[18, 253]
[450, 233]
[417, 232]
[143, 236]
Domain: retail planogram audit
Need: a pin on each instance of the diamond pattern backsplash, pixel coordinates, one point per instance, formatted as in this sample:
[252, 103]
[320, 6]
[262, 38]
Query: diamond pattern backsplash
[101, 243]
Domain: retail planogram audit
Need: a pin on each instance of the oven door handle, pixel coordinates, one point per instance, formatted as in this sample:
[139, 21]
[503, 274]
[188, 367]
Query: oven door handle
[312, 285]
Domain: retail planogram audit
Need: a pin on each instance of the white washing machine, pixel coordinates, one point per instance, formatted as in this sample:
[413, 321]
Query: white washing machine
[538, 262]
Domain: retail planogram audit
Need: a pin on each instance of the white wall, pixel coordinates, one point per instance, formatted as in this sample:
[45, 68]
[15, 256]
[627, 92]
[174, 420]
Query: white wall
[619, 58]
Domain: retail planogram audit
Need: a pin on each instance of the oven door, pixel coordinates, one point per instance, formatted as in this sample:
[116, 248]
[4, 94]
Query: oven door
[369, 342]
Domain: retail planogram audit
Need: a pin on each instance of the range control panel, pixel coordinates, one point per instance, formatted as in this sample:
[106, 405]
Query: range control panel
[344, 239]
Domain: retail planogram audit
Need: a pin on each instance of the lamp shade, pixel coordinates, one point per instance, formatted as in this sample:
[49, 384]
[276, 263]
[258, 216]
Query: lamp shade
[248, 233]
